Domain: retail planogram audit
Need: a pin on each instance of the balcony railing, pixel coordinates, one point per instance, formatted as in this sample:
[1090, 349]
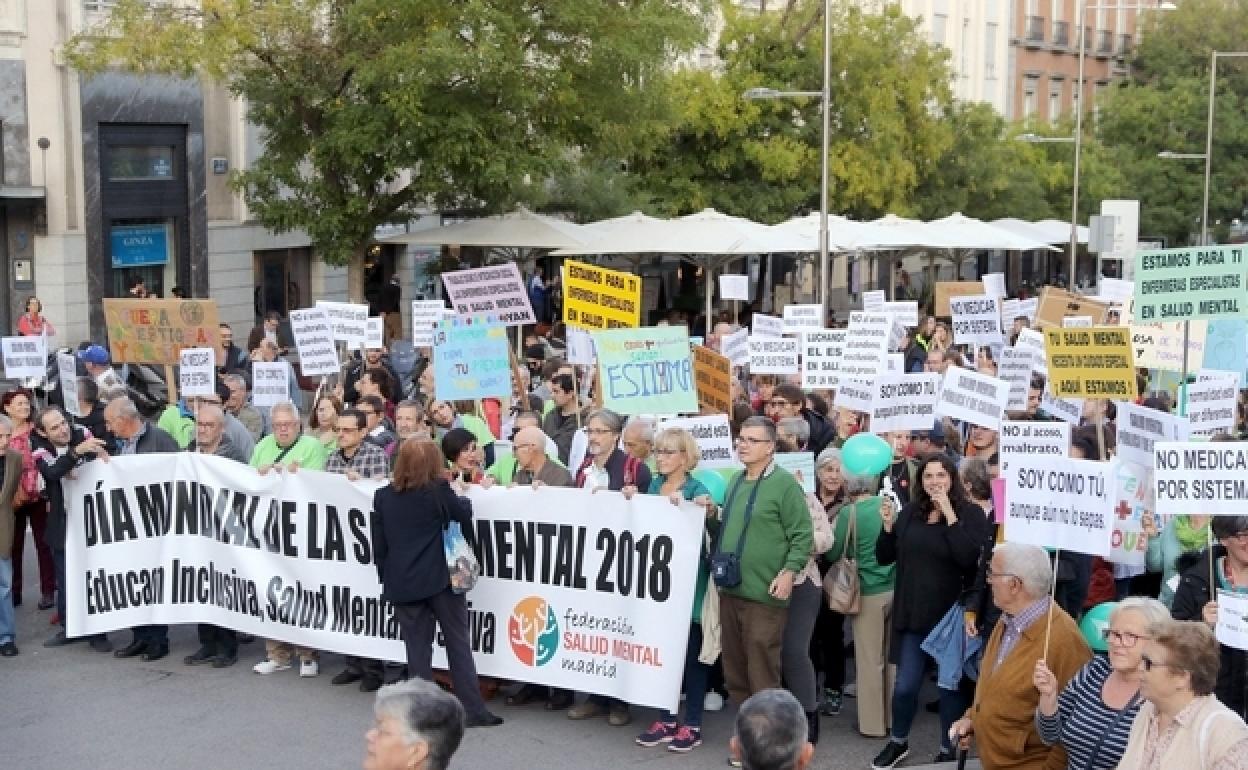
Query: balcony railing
[1035, 29]
[1124, 45]
[1104, 41]
[1061, 33]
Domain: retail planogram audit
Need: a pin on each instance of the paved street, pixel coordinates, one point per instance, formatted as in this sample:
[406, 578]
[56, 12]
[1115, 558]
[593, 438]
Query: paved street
[72, 708]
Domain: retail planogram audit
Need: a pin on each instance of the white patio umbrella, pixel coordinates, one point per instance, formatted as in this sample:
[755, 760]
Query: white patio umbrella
[894, 232]
[843, 234]
[519, 229]
[1059, 231]
[962, 232]
[707, 232]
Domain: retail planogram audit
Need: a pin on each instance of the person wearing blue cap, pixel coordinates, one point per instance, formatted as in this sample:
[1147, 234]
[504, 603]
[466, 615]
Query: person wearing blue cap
[95, 359]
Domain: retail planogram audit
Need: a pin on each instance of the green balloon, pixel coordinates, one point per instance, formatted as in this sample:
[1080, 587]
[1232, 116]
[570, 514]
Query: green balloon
[716, 484]
[866, 454]
[1094, 623]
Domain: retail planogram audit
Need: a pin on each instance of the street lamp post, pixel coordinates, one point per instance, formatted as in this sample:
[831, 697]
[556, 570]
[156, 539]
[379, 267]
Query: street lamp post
[1213, 87]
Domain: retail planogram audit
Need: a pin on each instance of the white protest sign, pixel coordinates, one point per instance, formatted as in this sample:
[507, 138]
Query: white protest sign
[1020, 440]
[874, 301]
[1208, 477]
[426, 315]
[295, 563]
[196, 372]
[67, 375]
[799, 318]
[1115, 291]
[976, 320]
[773, 355]
[314, 339]
[973, 397]
[1058, 502]
[1139, 428]
[766, 326]
[821, 357]
[24, 358]
[1161, 346]
[374, 334]
[1133, 499]
[270, 383]
[1015, 367]
[736, 347]
[1211, 404]
[854, 395]
[348, 322]
[494, 291]
[1077, 322]
[580, 347]
[994, 284]
[904, 402]
[801, 465]
[734, 287]
[1066, 409]
[714, 436]
[1010, 310]
[1028, 308]
[1232, 627]
[895, 363]
[905, 313]
[866, 344]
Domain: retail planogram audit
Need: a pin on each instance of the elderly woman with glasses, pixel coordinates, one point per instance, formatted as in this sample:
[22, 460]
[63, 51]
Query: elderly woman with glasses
[1091, 717]
[1182, 724]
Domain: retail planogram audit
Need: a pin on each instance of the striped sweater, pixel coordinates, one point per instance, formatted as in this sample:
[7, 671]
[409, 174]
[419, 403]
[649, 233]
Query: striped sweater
[1082, 718]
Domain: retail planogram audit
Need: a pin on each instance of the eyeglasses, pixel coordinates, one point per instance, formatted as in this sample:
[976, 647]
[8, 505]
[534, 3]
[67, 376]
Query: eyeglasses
[599, 431]
[285, 424]
[525, 446]
[751, 440]
[668, 452]
[779, 403]
[1149, 664]
[1124, 638]
[989, 574]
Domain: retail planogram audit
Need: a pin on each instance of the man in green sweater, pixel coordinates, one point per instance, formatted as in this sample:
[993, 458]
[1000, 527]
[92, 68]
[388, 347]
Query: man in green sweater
[777, 542]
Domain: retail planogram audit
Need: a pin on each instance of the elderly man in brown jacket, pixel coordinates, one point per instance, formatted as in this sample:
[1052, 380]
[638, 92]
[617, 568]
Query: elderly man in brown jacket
[12, 476]
[1002, 718]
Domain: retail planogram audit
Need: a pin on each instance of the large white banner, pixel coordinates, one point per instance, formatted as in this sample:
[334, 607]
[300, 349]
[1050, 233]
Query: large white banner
[1057, 502]
[570, 596]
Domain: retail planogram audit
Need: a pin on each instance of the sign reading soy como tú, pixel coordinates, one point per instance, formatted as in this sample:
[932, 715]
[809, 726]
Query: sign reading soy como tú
[1182, 284]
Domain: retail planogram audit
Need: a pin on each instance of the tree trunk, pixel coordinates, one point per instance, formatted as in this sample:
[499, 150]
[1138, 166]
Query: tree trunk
[355, 276]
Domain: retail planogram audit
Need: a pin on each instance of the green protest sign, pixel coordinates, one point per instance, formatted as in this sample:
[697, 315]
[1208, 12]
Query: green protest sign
[1183, 284]
[646, 370]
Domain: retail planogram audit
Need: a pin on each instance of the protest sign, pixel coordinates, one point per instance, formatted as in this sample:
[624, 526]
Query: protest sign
[1211, 405]
[948, 289]
[906, 313]
[1020, 440]
[821, 357]
[597, 298]
[873, 301]
[976, 320]
[714, 436]
[1226, 345]
[562, 601]
[1067, 409]
[24, 357]
[426, 315]
[270, 383]
[1133, 499]
[734, 287]
[895, 363]
[1077, 322]
[1028, 307]
[67, 375]
[1183, 284]
[1091, 363]
[866, 345]
[314, 339]
[766, 326]
[712, 373]
[736, 347]
[994, 284]
[1207, 477]
[647, 370]
[904, 402]
[973, 397]
[801, 465]
[1115, 291]
[854, 395]
[197, 374]
[470, 360]
[1139, 428]
[580, 347]
[154, 331]
[496, 291]
[1232, 624]
[1056, 304]
[374, 334]
[1161, 346]
[799, 318]
[1015, 367]
[773, 355]
[348, 322]
[1059, 502]
[1011, 309]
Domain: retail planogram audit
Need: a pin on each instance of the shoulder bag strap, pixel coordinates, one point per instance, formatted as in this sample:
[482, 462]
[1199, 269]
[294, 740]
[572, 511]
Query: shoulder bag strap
[749, 511]
[732, 494]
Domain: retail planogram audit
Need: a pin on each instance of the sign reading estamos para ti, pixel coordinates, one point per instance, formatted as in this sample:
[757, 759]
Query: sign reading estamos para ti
[598, 298]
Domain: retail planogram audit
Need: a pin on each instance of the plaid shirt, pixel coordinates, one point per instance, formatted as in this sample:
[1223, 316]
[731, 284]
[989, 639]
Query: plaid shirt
[1015, 625]
[369, 461]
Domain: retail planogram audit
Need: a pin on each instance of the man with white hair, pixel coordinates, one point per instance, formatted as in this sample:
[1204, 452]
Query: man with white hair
[1005, 697]
[771, 733]
[417, 727]
[638, 439]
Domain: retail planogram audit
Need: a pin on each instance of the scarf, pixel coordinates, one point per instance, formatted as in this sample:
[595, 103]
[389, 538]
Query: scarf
[1190, 538]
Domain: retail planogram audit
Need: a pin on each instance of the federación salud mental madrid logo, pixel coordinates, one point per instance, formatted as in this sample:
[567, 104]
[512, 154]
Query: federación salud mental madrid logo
[533, 631]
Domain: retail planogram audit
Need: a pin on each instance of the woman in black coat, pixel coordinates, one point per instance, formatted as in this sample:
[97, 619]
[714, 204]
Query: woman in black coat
[935, 542]
[408, 519]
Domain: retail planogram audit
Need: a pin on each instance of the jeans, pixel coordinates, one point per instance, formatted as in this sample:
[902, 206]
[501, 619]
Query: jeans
[8, 629]
[697, 674]
[911, 667]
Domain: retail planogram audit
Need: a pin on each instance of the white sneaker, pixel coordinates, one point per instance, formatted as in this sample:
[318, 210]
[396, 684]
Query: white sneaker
[713, 702]
[270, 667]
[309, 668]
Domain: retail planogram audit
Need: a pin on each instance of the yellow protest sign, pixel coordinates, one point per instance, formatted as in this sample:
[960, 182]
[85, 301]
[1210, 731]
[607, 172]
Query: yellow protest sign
[154, 331]
[1092, 362]
[713, 375]
[597, 298]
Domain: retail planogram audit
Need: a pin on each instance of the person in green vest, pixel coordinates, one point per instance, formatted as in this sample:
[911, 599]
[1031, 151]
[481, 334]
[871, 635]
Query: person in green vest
[177, 421]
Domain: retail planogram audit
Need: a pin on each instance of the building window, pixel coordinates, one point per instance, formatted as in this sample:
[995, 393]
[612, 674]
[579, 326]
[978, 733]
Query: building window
[134, 163]
[990, 49]
[939, 22]
[1029, 97]
[1055, 101]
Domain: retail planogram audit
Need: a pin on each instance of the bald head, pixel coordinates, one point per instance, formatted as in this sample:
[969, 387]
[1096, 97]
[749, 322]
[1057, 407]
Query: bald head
[529, 446]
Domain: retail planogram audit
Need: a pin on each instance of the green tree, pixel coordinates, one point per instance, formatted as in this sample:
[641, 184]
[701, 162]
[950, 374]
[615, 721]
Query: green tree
[373, 108]
[761, 158]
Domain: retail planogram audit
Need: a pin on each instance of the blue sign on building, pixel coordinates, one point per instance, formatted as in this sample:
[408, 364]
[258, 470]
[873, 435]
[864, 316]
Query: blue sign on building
[139, 245]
